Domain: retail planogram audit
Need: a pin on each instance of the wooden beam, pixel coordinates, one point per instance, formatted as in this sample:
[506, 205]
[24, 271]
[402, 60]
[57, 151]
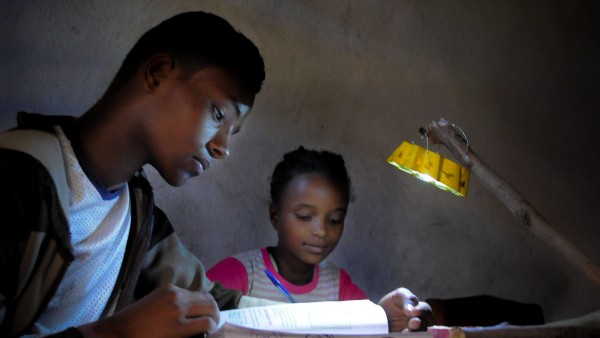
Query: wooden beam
[442, 132]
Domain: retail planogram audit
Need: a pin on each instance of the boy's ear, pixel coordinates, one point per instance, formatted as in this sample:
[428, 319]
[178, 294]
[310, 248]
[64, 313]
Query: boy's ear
[157, 69]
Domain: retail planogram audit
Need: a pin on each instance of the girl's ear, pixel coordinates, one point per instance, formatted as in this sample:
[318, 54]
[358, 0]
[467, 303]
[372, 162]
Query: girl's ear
[157, 69]
[274, 218]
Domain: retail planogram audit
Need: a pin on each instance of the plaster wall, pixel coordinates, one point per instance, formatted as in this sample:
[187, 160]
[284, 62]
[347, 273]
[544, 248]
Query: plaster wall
[521, 78]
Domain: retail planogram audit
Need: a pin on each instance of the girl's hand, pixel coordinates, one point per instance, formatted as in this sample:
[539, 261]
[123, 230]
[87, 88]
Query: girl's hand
[405, 312]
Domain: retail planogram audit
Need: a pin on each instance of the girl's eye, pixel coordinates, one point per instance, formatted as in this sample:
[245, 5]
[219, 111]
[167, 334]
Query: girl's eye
[303, 217]
[336, 221]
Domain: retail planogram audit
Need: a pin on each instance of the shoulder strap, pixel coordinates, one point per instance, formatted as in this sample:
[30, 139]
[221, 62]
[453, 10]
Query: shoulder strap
[45, 147]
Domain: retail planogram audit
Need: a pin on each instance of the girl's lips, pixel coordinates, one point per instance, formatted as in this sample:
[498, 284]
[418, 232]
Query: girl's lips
[316, 249]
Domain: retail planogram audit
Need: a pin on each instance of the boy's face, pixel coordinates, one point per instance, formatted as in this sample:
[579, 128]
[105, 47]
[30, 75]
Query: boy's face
[310, 220]
[193, 120]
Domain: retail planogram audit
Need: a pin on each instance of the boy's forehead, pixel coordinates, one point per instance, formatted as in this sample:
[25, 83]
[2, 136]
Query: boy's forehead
[227, 83]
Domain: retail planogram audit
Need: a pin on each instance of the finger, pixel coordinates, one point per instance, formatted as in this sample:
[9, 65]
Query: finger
[414, 323]
[403, 300]
[198, 325]
[412, 306]
[406, 297]
[423, 306]
[198, 296]
[418, 310]
[425, 315]
[204, 308]
[193, 298]
[409, 309]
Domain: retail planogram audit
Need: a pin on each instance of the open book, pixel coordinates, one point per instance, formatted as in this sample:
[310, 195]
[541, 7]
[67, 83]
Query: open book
[354, 318]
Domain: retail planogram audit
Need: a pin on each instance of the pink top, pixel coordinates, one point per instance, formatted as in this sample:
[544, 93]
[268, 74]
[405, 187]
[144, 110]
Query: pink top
[245, 272]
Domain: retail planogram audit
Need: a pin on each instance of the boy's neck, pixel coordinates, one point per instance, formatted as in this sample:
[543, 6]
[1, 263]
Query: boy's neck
[103, 147]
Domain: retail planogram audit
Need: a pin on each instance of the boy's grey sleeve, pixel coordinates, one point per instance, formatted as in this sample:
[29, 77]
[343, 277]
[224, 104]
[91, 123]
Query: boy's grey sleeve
[170, 262]
[226, 298]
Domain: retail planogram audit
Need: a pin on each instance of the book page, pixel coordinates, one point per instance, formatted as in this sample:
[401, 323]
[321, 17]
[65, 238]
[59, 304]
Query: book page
[231, 331]
[352, 317]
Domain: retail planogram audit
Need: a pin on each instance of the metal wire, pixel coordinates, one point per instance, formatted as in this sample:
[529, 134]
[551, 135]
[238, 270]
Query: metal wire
[464, 138]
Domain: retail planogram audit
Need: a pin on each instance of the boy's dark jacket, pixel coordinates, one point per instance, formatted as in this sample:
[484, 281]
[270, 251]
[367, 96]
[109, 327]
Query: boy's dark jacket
[35, 248]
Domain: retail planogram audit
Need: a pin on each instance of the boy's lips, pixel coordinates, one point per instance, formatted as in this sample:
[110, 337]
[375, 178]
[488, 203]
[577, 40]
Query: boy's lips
[204, 164]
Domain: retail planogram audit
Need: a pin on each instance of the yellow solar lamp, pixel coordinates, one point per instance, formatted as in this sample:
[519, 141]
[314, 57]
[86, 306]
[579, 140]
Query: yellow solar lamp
[431, 167]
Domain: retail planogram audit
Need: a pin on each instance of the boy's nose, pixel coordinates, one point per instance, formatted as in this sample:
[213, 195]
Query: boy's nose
[218, 149]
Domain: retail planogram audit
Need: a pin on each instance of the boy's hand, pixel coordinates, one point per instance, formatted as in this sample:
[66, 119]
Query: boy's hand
[405, 312]
[168, 311]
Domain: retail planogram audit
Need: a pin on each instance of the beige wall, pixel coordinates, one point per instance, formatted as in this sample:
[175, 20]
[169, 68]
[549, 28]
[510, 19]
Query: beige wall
[521, 78]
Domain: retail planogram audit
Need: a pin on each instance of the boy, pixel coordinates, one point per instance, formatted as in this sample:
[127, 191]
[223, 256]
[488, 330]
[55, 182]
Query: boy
[84, 251]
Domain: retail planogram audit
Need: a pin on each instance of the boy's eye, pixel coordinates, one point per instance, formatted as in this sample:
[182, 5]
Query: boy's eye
[218, 114]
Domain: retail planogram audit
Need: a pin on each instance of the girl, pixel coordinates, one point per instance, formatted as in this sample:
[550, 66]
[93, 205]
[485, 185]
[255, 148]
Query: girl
[310, 192]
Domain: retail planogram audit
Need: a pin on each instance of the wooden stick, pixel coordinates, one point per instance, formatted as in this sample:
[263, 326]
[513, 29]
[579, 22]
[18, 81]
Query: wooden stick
[448, 135]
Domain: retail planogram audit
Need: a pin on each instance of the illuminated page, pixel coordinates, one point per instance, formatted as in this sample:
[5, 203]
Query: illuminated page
[352, 317]
[230, 331]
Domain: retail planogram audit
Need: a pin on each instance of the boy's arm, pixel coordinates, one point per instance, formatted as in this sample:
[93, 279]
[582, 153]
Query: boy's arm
[9, 240]
[169, 262]
[33, 238]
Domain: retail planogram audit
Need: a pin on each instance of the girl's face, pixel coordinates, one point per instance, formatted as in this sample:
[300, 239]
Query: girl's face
[310, 221]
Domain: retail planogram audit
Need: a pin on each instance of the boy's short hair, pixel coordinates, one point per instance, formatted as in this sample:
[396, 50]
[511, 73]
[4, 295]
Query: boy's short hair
[196, 40]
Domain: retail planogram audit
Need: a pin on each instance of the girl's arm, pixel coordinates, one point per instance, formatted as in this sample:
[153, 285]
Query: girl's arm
[231, 273]
[349, 290]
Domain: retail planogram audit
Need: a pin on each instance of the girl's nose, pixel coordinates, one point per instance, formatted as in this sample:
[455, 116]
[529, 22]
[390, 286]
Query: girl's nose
[318, 228]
